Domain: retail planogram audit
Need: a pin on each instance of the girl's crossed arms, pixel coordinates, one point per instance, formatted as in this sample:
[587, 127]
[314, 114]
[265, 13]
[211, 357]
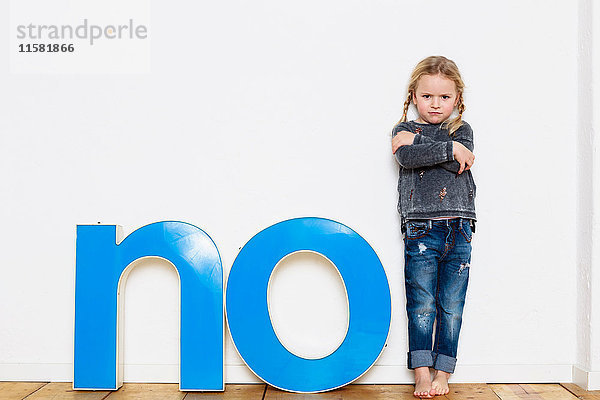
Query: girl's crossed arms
[463, 156]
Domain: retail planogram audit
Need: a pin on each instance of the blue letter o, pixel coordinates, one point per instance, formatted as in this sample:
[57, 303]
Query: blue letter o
[368, 299]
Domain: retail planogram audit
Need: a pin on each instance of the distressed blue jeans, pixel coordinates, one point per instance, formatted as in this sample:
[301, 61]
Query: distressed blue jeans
[436, 271]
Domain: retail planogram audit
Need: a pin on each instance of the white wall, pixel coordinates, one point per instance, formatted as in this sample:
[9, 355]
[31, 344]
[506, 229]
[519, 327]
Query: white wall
[255, 112]
[586, 371]
[595, 83]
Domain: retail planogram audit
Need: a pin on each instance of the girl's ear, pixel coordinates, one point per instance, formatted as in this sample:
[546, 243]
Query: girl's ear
[457, 99]
[414, 98]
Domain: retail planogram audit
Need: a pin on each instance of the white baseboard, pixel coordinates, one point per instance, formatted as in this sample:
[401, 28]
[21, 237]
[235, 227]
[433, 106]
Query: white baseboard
[38, 372]
[589, 380]
[399, 374]
[141, 373]
[379, 374]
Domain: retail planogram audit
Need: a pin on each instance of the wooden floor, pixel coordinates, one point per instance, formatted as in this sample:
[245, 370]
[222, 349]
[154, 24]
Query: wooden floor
[158, 391]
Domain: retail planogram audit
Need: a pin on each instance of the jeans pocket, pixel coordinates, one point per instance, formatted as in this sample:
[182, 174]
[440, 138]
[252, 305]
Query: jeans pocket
[417, 229]
[465, 230]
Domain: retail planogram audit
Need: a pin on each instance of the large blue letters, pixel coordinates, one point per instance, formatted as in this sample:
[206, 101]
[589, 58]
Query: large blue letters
[102, 263]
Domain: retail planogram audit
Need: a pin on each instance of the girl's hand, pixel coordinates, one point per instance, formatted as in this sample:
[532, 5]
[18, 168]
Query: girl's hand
[402, 138]
[463, 155]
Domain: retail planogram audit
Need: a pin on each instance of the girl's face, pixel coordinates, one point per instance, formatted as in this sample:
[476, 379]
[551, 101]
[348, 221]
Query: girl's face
[435, 98]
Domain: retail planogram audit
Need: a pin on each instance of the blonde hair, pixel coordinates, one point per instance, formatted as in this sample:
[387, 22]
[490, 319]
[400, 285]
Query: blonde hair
[438, 65]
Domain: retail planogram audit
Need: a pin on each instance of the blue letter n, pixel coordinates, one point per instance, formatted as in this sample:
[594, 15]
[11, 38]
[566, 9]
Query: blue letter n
[100, 265]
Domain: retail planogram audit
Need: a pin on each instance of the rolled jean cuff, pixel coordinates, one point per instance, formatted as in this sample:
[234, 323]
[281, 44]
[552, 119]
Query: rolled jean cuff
[444, 363]
[419, 358]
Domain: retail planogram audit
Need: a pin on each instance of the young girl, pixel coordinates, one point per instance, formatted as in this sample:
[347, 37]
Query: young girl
[437, 209]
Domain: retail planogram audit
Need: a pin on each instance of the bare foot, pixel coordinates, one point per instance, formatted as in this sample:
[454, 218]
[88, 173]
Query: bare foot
[439, 386]
[422, 383]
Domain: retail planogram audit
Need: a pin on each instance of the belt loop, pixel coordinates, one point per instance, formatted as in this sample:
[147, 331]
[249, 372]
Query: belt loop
[430, 223]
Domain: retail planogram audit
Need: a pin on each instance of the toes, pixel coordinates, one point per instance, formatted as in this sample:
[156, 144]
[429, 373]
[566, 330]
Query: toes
[438, 391]
[422, 395]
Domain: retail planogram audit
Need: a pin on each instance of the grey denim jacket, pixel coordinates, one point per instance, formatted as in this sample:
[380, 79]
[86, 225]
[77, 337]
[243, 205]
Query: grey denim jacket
[429, 185]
